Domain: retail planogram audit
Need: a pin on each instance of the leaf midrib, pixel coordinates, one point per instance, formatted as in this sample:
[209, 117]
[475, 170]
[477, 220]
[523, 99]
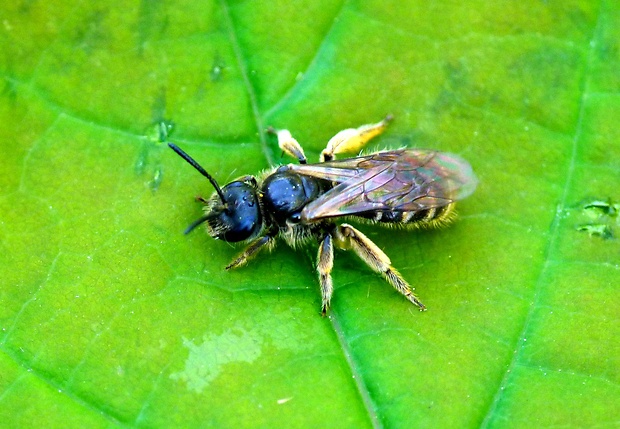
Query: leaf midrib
[356, 375]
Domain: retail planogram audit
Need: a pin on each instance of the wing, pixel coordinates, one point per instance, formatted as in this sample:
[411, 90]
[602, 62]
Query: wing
[400, 180]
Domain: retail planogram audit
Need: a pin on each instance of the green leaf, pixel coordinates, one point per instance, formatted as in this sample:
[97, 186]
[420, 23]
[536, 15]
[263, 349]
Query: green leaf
[110, 316]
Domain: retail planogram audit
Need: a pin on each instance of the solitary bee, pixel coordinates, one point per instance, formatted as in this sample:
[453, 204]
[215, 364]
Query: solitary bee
[409, 188]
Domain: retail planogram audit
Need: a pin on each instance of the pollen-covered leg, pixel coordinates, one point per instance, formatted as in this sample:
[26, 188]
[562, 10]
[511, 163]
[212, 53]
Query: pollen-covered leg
[349, 237]
[353, 139]
[289, 145]
[251, 251]
[325, 263]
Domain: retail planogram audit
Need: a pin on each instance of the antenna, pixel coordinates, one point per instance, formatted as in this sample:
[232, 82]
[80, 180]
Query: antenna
[196, 223]
[202, 171]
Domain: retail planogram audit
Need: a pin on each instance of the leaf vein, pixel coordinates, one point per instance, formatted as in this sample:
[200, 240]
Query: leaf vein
[241, 63]
[367, 401]
[553, 235]
[312, 64]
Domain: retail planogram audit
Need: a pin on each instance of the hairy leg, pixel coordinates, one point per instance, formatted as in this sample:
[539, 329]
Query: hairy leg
[289, 145]
[353, 139]
[375, 258]
[325, 263]
[251, 251]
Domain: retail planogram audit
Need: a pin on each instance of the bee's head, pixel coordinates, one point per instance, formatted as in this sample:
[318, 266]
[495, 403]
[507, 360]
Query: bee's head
[234, 217]
[233, 212]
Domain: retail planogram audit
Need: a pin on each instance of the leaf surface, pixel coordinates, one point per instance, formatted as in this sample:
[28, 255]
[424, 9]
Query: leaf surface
[111, 317]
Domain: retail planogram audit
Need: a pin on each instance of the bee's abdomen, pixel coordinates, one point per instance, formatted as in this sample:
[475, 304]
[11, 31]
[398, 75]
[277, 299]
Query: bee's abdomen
[431, 217]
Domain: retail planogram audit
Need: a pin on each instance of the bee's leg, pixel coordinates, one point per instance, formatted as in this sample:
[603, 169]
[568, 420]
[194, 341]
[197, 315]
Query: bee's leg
[325, 262]
[349, 237]
[353, 139]
[288, 144]
[251, 251]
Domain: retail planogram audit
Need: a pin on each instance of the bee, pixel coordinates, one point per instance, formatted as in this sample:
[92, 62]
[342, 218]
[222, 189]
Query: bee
[303, 203]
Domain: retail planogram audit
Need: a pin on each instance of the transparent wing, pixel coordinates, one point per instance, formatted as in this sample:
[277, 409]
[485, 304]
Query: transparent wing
[400, 180]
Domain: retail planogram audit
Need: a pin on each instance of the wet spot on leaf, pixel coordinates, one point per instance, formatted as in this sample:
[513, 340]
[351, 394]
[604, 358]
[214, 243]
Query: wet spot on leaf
[217, 68]
[601, 208]
[600, 230]
[601, 215]
[155, 137]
